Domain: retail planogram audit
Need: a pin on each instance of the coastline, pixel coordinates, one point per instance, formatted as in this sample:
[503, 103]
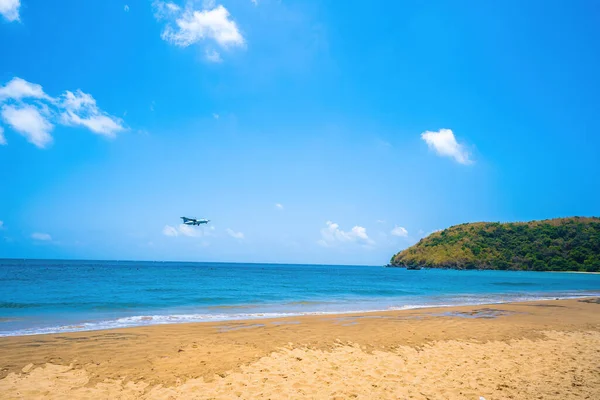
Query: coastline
[149, 319]
[496, 343]
[575, 272]
[202, 292]
[493, 269]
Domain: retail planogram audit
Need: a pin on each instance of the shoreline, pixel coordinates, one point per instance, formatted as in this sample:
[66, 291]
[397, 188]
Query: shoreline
[491, 269]
[575, 272]
[260, 316]
[519, 350]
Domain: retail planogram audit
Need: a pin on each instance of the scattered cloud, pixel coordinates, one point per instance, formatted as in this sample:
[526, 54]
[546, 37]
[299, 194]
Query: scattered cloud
[279, 206]
[206, 4]
[164, 9]
[212, 56]
[444, 144]
[380, 221]
[2, 138]
[29, 122]
[332, 235]
[10, 9]
[44, 237]
[81, 109]
[18, 89]
[33, 113]
[189, 231]
[126, 8]
[185, 230]
[188, 26]
[233, 234]
[168, 230]
[399, 231]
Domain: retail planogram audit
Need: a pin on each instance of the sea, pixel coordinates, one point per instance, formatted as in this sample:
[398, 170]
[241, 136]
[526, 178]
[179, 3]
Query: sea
[49, 296]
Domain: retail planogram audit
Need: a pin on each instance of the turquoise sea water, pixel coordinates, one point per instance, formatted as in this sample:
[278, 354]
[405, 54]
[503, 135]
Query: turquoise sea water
[63, 296]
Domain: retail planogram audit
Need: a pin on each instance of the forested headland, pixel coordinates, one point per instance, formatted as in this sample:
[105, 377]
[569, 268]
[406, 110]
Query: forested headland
[562, 244]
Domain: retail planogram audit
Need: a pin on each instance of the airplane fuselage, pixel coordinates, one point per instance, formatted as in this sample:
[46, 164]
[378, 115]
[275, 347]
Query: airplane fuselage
[193, 221]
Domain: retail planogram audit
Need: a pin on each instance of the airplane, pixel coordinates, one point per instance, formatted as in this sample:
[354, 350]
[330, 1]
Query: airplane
[194, 221]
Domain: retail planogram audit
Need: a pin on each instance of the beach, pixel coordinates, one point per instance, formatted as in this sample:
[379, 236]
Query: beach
[528, 350]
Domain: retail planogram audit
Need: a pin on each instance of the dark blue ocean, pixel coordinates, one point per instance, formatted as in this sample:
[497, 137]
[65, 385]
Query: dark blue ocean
[64, 296]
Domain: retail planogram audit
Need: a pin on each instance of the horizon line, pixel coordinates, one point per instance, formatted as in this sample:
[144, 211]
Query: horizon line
[186, 262]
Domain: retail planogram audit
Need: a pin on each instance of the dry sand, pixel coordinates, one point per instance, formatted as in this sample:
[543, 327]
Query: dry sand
[537, 350]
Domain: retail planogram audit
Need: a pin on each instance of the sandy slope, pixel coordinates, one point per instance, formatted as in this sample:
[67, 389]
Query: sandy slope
[542, 350]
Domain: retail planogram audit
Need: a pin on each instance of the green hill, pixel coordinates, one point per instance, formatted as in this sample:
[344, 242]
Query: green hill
[562, 244]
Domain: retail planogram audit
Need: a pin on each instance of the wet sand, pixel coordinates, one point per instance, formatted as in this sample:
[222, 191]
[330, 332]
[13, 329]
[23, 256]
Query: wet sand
[534, 350]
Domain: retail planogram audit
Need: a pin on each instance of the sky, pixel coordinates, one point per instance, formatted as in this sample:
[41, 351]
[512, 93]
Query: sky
[306, 131]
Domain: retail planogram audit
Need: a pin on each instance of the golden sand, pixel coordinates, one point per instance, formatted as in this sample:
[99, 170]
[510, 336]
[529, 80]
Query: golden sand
[537, 350]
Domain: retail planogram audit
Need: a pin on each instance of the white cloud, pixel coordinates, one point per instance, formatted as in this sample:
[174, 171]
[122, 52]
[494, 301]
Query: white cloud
[380, 221]
[41, 236]
[215, 116]
[233, 234]
[18, 89]
[126, 8]
[168, 230]
[1, 224]
[81, 109]
[255, 2]
[10, 9]
[190, 231]
[77, 101]
[444, 144]
[164, 9]
[152, 106]
[188, 26]
[279, 206]
[32, 113]
[184, 230]
[399, 231]
[213, 56]
[332, 234]
[29, 122]
[2, 138]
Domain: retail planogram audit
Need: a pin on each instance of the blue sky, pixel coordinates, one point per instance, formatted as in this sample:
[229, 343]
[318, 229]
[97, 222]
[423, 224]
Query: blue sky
[307, 132]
